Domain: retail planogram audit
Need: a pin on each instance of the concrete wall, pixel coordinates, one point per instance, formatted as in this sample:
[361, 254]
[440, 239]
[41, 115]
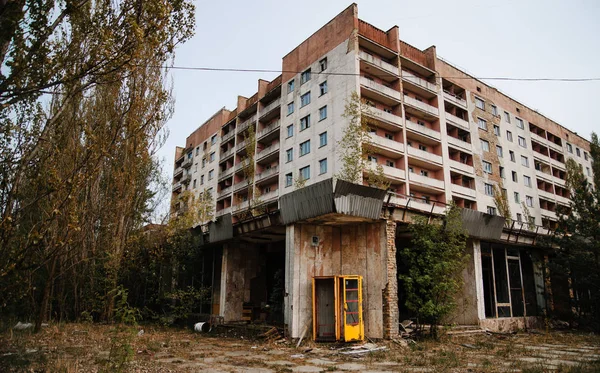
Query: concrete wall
[358, 249]
[470, 304]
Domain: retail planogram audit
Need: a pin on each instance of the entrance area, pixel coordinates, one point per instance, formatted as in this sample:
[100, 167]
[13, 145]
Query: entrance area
[337, 308]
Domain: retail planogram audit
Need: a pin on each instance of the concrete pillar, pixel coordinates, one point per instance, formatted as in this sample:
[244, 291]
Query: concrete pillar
[390, 292]
[240, 264]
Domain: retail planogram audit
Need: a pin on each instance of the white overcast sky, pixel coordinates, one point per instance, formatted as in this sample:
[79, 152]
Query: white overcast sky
[522, 39]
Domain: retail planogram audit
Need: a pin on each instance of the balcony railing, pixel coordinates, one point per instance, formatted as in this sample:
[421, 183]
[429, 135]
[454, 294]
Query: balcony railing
[267, 197]
[240, 165]
[457, 121]
[418, 81]
[459, 143]
[555, 146]
[421, 105]
[241, 185]
[386, 143]
[240, 206]
[547, 195]
[267, 151]
[384, 116]
[228, 136]
[176, 186]
[225, 191]
[185, 179]
[265, 174]
[423, 130]
[241, 146]
[557, 163]
[378, 87]
[224, 155]
[427, 181]
[178, 172]
[246, 124]
[459, 101]
[393, 172]
[267, 109]
[226, 173]
[459, 189]
[424, 155]
[461, 166]
[538, 138]
[379, 63]
[226, 210]
[265, 131]
[187, 162]
[563, 200]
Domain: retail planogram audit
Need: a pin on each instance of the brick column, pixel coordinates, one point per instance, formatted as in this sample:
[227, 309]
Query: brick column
[390, 292]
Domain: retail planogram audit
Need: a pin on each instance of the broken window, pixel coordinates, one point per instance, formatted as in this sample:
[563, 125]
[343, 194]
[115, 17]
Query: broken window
[508, 281]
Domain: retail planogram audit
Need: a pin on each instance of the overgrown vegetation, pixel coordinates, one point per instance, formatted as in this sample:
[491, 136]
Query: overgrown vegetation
[501, 202]
[83, 103]
[433, 263]
[578, 240]
[355, 147]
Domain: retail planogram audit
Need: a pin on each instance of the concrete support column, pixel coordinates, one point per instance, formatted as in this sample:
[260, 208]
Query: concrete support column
[390, 292]
[239, 266]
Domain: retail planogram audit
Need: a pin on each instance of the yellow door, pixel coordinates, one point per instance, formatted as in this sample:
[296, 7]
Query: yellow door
[352, 310]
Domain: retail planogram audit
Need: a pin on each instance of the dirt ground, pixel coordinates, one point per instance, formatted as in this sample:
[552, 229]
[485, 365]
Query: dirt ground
[106, 348]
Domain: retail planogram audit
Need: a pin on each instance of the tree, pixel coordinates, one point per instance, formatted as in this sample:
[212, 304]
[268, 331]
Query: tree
[434, 261]
[578, 239]
[356, 145]
[501, 202]
[83, 103]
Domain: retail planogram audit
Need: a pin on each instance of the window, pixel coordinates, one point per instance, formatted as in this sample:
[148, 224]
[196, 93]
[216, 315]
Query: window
[487, 167]
[323, 88]
[587, 169]
[323, 113]
[291, 86]
[202, 180]
[494, 110]
[323, 139]
[411, 169]
[290, 130]
[501, 171]
[499, 151]
[569, 148]
[519, 123]
[305, 173]
[203, 162]
[527, 181]
[323, 64]
[522, 142]
[524, 161]
[482, 124]
[489, 189]
[213, 140]
[389, 136]
[211, 174]
[532, 220]
[485, 145]
[479, 103]
[372, 159]
[512, 155]
[519, 218]
[194, 184]
[305, 76]
[288, 179]
[390, 163]
[305, 148]
[425, 173]
[585, 155]
[529, 201]
[491, 210]
[422, 147]
[197, 150]
[514, 176]
[211, 157]
[305, 99]
[517, 197]
[305, 123]
[290, 108]
[507, 116]
[323, 166]
[289, 155]
[496, 130]
[509, 136]
[578, 152]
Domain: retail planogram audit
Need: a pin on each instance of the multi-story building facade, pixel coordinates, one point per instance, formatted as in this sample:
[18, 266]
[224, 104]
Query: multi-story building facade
[439, 134]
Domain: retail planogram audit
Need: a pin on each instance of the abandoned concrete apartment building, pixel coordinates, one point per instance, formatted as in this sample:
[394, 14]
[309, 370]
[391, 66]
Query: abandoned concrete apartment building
[325, 246]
